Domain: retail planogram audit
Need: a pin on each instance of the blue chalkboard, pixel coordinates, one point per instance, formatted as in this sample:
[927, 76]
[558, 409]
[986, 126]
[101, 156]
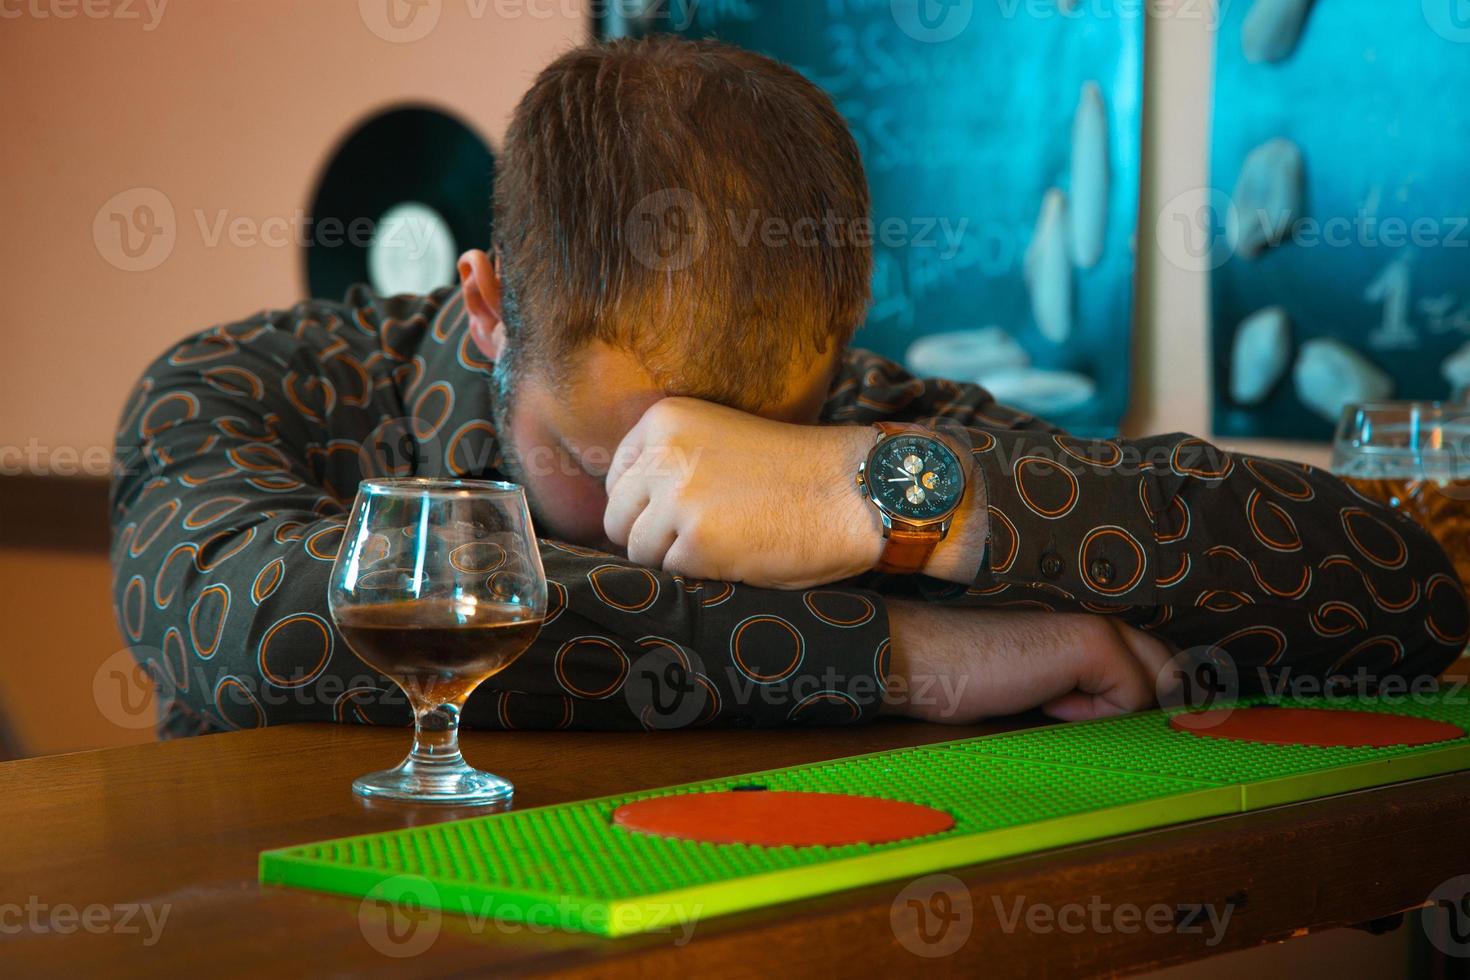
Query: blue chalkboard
[965, 112]
[1373, 99]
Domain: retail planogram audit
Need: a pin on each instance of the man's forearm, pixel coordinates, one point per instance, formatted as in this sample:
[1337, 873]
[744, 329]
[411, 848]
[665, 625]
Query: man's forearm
[959, 665]
[771, 504]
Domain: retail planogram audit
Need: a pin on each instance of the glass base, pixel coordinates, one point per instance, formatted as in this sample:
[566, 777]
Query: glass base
[450, 781]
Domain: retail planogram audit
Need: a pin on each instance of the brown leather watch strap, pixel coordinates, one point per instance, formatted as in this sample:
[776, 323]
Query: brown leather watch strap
[906, 552]
[900, 428]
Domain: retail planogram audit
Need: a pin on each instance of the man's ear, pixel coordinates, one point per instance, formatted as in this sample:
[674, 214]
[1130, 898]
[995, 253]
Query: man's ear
[479, 282]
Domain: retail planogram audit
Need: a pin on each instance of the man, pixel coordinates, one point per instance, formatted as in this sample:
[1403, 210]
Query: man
[729, 539]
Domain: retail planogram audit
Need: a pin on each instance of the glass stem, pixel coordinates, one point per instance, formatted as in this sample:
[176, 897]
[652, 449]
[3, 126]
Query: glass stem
[436, 737]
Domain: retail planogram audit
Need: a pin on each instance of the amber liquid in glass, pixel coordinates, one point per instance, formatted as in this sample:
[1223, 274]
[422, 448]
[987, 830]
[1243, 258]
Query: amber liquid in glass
[1440, 507]
[438, 650]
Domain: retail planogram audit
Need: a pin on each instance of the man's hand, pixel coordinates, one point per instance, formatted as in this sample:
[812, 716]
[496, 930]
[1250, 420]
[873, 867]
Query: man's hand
[714, 493]
[957, 665]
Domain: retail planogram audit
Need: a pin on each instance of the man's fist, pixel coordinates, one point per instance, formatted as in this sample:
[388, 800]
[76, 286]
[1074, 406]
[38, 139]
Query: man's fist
[711, 492]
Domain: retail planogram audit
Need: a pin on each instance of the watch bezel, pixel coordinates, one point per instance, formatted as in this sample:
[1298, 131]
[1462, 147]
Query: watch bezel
[892, 517]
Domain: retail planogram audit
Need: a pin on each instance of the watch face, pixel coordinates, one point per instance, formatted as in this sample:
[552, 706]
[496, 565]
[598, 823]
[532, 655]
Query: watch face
[915, 478]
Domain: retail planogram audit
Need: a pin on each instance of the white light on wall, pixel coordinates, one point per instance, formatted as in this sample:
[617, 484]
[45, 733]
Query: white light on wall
[413, 251]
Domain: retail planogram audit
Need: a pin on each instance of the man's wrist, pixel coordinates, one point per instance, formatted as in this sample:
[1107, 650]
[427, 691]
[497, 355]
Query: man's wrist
[957, 558]
[855, 521]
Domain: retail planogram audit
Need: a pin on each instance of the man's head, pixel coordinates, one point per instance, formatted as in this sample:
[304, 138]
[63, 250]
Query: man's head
[671, 218]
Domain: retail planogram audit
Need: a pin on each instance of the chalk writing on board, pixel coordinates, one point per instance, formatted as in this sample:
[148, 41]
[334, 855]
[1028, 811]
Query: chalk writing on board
[1445, 314]
[1392, 290]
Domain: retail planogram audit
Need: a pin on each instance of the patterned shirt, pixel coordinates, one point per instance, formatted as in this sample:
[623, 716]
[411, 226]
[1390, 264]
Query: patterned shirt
[241, 448]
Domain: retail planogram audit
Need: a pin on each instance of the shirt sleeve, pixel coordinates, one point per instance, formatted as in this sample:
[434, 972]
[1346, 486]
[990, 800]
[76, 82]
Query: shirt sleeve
[625, 646]
[237, 455]
[1279, 566]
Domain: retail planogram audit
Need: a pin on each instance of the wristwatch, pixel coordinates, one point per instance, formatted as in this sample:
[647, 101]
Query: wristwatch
[917, 482]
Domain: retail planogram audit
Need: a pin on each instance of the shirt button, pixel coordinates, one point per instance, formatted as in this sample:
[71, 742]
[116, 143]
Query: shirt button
[1051, 565]
[1102, 571]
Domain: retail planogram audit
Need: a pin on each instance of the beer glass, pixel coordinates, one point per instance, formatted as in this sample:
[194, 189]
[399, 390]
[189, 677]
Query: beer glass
[1414, 456]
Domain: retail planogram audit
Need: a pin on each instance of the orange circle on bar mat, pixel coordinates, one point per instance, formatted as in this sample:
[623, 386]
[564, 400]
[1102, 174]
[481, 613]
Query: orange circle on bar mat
[776, 818]
[1324, 728]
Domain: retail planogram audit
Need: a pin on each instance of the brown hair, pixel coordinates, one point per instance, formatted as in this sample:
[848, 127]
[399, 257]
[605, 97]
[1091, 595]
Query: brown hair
[689, 202]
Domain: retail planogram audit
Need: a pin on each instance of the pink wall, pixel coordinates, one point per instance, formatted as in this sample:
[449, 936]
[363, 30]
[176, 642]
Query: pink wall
[221, 106]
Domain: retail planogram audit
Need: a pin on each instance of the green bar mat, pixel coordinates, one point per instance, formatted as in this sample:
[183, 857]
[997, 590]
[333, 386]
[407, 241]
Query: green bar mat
[1266, 775]
[1010, 794]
